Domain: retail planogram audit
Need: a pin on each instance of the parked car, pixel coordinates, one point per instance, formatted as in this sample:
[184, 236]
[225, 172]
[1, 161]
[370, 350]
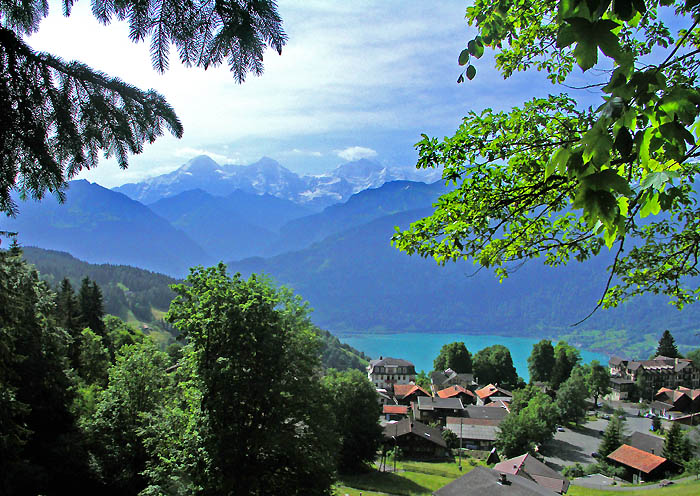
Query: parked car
[595, 454]
[560, 429]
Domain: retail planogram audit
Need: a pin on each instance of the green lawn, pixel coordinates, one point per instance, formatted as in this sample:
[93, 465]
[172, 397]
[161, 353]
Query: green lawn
[411, 479]
[422, 478]
[691, 488]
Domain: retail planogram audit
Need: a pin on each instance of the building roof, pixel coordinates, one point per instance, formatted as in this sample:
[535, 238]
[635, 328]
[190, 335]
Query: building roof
[485, 412]
[636, 458]
[481, 481]
[616, 360]
[431, 403]
[528, 466]
[441, 377]
[646, 442]
[454, 391]
[396, 409]
[661, 405]
[473, 431]
[403, 390]
[492, 390]
[620, 380]
[398, 362]
[472, 421]
[409, 426]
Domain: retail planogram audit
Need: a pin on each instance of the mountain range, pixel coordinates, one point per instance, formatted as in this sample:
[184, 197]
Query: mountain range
[267, 176]
[340, 258]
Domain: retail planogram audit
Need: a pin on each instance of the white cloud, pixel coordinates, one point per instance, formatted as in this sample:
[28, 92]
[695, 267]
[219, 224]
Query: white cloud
[356, 153]
[310, 153]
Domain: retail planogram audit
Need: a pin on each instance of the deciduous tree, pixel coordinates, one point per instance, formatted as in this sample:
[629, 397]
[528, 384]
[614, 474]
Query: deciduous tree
[494, 365]
[541, 361]
[454, 356]
[353, 400]
[257, 357]
[558, 181]
[571, 398]
[598, 381]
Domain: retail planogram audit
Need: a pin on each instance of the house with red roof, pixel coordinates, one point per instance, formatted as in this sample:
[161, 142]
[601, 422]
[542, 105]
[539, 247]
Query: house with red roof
[640, 465]
[491, 393]
[531, 468]
[460, 392]
[404, 394]
[395, 412]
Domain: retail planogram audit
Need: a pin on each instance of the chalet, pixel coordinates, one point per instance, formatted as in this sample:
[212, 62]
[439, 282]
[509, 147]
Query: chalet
[656, 373]
[384, 397]
[431, 409]
[395, 412]
[449, 377]
[405, 394]
[482, 481]
[457, 391]
[664, 410]
[620, 389]
[475, 433]
[490, 393]
[485, 412]
[683, 399]
[415, 439]
[646, 442]
[639, 464]
[386, 372]
[531, 468]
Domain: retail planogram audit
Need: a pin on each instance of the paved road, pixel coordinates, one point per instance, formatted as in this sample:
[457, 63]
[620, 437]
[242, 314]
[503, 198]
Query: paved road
[576, 445]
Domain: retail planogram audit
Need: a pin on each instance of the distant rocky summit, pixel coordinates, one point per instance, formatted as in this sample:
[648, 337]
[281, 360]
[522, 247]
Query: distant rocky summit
[267, 176]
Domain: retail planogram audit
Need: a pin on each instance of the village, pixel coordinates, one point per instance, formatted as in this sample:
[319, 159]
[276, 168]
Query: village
[637, 429]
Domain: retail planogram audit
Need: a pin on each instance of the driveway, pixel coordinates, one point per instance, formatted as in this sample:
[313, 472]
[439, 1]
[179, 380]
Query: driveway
[576, 445]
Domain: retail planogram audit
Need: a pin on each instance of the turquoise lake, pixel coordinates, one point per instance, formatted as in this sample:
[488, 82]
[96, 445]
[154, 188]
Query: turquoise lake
[422, 348]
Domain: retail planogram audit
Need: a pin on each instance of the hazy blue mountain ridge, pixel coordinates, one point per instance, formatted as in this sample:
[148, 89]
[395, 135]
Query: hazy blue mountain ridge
[357, 281]
[365, 206]
[98, 225]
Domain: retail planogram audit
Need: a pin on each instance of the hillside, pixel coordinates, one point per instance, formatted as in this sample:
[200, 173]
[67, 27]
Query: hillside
[98, 225]
[356, 281]
[142, 297]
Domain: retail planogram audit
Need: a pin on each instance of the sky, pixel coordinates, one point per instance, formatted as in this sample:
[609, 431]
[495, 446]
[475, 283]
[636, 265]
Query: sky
[359, 79]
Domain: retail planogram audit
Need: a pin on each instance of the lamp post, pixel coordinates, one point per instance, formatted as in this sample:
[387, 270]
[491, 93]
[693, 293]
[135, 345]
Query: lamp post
[460, 444]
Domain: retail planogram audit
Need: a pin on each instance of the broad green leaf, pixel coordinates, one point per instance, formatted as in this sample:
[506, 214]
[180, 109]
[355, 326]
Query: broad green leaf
[623, 9]
[471, 72]
[624, 142]
[565, 36]
[657, 180]
[464, 56]
[610, 236]
[623, 203]
[650, 206]
[557, 162]
[607, 180]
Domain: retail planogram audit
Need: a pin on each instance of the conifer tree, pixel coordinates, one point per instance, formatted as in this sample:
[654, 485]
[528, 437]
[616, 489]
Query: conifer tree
[91, 306]
[68, 317]
[56, 116]
[676, 445]
[667, 346]
[612, 437]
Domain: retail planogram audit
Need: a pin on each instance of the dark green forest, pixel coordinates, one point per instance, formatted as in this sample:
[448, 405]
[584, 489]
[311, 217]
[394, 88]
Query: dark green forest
[92, 405]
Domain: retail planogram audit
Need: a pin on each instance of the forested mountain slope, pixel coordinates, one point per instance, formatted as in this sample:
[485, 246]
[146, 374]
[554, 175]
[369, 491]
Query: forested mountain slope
[356, 281]
[101, 226]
